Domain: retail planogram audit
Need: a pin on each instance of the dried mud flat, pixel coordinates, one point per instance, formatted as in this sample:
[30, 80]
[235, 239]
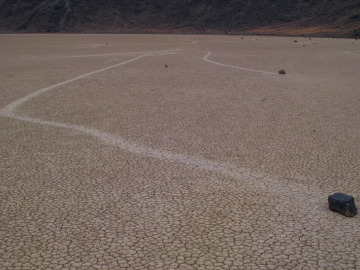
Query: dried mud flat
[178, 152]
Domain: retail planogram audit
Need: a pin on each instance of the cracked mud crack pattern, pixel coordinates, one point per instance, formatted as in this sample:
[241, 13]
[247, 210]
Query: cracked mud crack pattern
[109, 160]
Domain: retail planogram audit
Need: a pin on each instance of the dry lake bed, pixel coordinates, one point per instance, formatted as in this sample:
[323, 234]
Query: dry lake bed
[178, 152]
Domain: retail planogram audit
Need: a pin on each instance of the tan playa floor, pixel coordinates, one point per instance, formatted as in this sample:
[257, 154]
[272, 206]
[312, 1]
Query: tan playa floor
[111, 160]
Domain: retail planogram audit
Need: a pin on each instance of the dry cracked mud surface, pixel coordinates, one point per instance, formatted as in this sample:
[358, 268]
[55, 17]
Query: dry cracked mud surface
[178, 152]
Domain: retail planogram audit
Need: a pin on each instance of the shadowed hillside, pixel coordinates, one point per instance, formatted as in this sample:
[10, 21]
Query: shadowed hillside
[299, 17]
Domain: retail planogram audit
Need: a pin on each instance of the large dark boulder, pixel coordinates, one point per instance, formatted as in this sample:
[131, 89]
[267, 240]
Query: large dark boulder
[343, 204]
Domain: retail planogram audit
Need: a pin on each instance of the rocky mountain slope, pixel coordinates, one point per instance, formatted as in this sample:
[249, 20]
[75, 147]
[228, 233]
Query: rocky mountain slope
[298, 17]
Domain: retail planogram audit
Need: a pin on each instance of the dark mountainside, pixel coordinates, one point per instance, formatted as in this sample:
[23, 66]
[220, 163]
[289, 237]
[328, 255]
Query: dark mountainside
[333, 18]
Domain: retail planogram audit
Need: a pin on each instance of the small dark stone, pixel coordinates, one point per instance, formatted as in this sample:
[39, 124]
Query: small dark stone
[295, 40]
[282, 72]
[166, 66]
[343, 204]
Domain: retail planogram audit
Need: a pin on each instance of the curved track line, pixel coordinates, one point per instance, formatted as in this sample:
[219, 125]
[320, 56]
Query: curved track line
[205, 58]
[270, 184]
[8, 111]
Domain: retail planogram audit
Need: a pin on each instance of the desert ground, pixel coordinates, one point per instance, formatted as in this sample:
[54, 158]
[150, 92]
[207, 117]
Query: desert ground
[178, 152]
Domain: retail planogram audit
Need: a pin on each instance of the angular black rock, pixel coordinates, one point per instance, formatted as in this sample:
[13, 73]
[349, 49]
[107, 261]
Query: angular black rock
[343, 204]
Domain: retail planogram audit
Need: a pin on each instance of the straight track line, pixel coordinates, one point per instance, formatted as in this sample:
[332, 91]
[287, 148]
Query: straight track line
[124, 53]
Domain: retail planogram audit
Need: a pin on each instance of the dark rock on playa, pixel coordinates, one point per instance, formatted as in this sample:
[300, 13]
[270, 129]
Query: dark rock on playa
[343, 204]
